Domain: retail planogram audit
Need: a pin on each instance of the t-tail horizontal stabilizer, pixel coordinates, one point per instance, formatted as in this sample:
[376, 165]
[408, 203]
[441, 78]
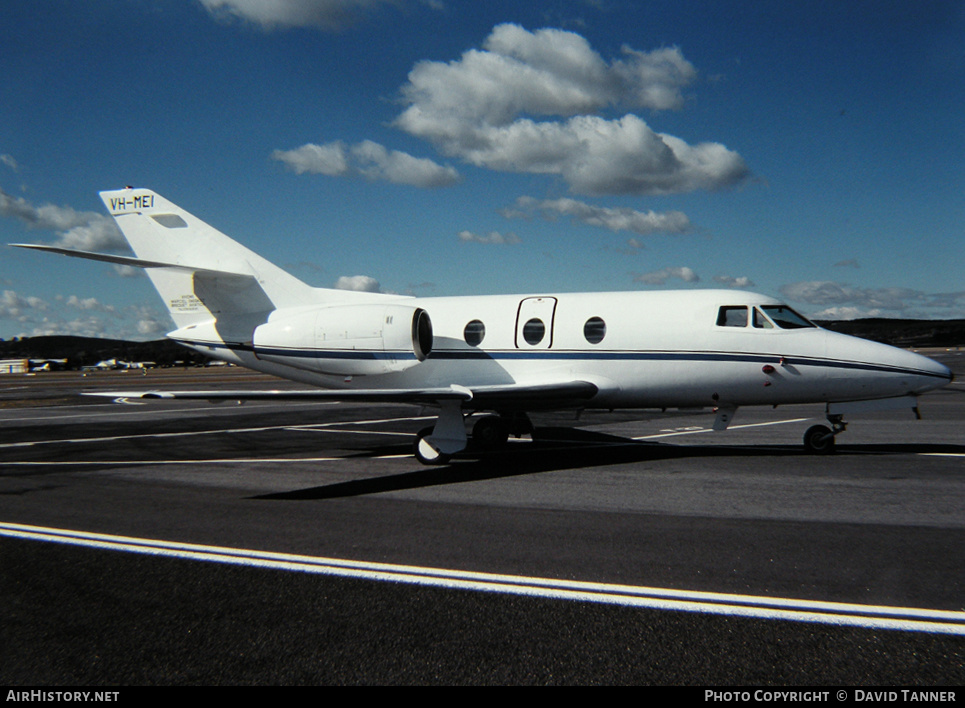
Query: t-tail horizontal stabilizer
[121, 260]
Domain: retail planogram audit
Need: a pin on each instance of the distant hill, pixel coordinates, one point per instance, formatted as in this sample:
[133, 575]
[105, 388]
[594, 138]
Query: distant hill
[87, 351]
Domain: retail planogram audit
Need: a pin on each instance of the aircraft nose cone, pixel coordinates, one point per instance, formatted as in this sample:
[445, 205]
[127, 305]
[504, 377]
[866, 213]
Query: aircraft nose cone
[947, 373]
[869, 369]
[932, 373]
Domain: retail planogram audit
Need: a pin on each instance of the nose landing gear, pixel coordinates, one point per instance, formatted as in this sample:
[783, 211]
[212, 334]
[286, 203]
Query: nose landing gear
[819, 439]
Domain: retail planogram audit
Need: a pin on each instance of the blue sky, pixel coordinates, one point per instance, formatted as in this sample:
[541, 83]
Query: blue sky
[814, 151]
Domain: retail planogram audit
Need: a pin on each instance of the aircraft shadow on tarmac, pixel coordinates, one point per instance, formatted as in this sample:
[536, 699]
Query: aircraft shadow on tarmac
[566, 448]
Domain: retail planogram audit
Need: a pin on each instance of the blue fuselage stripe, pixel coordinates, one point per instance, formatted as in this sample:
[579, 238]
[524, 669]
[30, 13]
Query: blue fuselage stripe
[570, 356]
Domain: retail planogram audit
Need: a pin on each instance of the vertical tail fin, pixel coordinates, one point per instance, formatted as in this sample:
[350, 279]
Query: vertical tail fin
[213, 277]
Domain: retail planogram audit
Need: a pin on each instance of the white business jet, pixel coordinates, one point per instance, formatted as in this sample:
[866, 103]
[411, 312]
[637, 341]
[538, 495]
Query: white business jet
[501, 355]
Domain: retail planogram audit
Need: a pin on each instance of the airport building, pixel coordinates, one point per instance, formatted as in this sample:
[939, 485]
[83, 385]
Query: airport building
[14, 366]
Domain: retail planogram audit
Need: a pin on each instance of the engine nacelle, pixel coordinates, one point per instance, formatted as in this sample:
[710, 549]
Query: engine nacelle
[347, 340]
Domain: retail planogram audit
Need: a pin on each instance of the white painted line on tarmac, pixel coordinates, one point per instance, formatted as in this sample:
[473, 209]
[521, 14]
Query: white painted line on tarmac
[911, 619]
[350, 432]
[693, 431]
[194, 433]
[374, 421]
[27, 414]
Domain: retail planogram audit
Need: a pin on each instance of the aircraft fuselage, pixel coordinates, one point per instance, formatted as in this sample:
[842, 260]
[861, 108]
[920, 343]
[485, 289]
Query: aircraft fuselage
[641, 349]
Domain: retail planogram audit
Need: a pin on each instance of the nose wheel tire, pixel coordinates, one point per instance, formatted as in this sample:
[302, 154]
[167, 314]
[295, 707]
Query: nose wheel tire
[819, 440]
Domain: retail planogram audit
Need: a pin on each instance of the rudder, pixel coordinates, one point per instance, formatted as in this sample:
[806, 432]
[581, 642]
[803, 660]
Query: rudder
[212, 276]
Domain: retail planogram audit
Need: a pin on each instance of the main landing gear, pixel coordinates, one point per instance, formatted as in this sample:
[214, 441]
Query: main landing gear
[819, 439]
[491, 432]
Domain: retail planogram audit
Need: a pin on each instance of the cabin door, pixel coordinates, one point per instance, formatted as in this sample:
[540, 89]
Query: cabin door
[534, 323]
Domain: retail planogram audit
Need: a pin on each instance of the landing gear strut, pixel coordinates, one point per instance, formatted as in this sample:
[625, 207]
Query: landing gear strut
[819, 439]
[437, 445]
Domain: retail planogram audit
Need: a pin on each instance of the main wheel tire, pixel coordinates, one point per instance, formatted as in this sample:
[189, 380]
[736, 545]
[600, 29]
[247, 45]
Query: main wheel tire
[490, 432]
[819, 440]
[425, 452]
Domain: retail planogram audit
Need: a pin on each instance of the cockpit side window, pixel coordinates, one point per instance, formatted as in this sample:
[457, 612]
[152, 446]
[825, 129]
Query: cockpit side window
[786, 318]
[760, 321]
[732, 316]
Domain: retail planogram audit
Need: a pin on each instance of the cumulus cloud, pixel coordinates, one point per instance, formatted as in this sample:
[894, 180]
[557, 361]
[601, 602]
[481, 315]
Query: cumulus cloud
[948, 300]
[14, 306]
[84, 230]
[147, 321]
[88, 303]
[376, 162]
[361, 283]
[492, 237]
[329, 159]
[149, 327]
[659, 277]
[85, 326]
[326, 15]
[486, 108]
[825, 292]
[614, 219]
[843, 301]
[367, 159]
[81, 316]
[10, 162]
[537, 103]
[731, 282]
[846, 313]
[124, 271]
[547, 72]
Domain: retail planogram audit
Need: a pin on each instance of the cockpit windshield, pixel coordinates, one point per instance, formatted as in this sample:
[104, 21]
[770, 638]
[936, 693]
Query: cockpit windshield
[786, 318]
[762, 317]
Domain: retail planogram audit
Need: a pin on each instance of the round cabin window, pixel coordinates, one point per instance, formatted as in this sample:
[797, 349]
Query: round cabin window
[474, 333]
[534, 331]
[594, 330]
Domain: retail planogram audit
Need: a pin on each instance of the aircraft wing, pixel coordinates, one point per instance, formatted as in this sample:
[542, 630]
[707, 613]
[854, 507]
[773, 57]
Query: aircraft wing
[554, 395]
[533, 396]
